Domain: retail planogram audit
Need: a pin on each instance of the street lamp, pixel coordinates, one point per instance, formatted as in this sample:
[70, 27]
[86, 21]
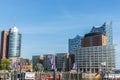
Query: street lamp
[21, 65]
[15, 70]
[39, 69]
[10, 67]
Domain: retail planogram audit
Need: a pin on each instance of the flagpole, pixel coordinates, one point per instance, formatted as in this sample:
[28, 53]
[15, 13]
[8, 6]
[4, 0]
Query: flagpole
[54, 74]
[54, 67]
[21, 71]
[69, 67]
[69, 75]
[90, 69]
[15, 72]
[63, 70]
[78, 74]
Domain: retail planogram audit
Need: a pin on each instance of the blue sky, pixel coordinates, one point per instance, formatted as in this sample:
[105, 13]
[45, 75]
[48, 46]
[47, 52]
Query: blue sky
[46, 25]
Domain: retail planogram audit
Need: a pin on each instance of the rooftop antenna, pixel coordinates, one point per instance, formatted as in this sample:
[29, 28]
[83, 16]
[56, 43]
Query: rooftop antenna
[14, 20]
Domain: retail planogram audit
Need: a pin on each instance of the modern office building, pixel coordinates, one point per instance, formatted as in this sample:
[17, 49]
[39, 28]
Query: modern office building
[74, 44]
[63, 61]
[4, 44]
[60, 61]
[14, 43]
[47, 62]
[97, 47]
[11, 44]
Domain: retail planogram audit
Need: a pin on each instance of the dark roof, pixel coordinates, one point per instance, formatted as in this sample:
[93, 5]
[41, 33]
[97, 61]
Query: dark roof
[93, 34]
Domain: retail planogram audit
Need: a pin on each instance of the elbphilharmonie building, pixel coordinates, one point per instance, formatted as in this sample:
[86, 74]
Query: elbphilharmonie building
[96, 48]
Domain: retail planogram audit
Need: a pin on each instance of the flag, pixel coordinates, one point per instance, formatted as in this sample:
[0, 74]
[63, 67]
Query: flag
[103, 63]
[52, 62]
[74, 66]
[97, 75]
[100, 67]
[21, 65]
[16, 65]
[10, 66]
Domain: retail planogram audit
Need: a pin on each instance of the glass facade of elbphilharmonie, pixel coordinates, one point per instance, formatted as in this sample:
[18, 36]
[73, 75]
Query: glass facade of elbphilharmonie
[106, 29]
[74, 43]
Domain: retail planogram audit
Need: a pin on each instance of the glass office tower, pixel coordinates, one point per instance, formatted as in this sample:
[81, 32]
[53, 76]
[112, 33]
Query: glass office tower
[14, 43]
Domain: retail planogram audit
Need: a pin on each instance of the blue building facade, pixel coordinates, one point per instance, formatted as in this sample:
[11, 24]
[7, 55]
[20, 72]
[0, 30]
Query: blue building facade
[74, 44]
[14, 43]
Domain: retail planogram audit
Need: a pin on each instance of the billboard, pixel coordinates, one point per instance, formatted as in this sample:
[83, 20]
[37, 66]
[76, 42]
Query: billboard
[30, 75]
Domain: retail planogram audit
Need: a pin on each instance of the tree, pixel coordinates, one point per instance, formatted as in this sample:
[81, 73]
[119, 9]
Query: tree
[4, 64]
[35, 68]
[39, 67]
